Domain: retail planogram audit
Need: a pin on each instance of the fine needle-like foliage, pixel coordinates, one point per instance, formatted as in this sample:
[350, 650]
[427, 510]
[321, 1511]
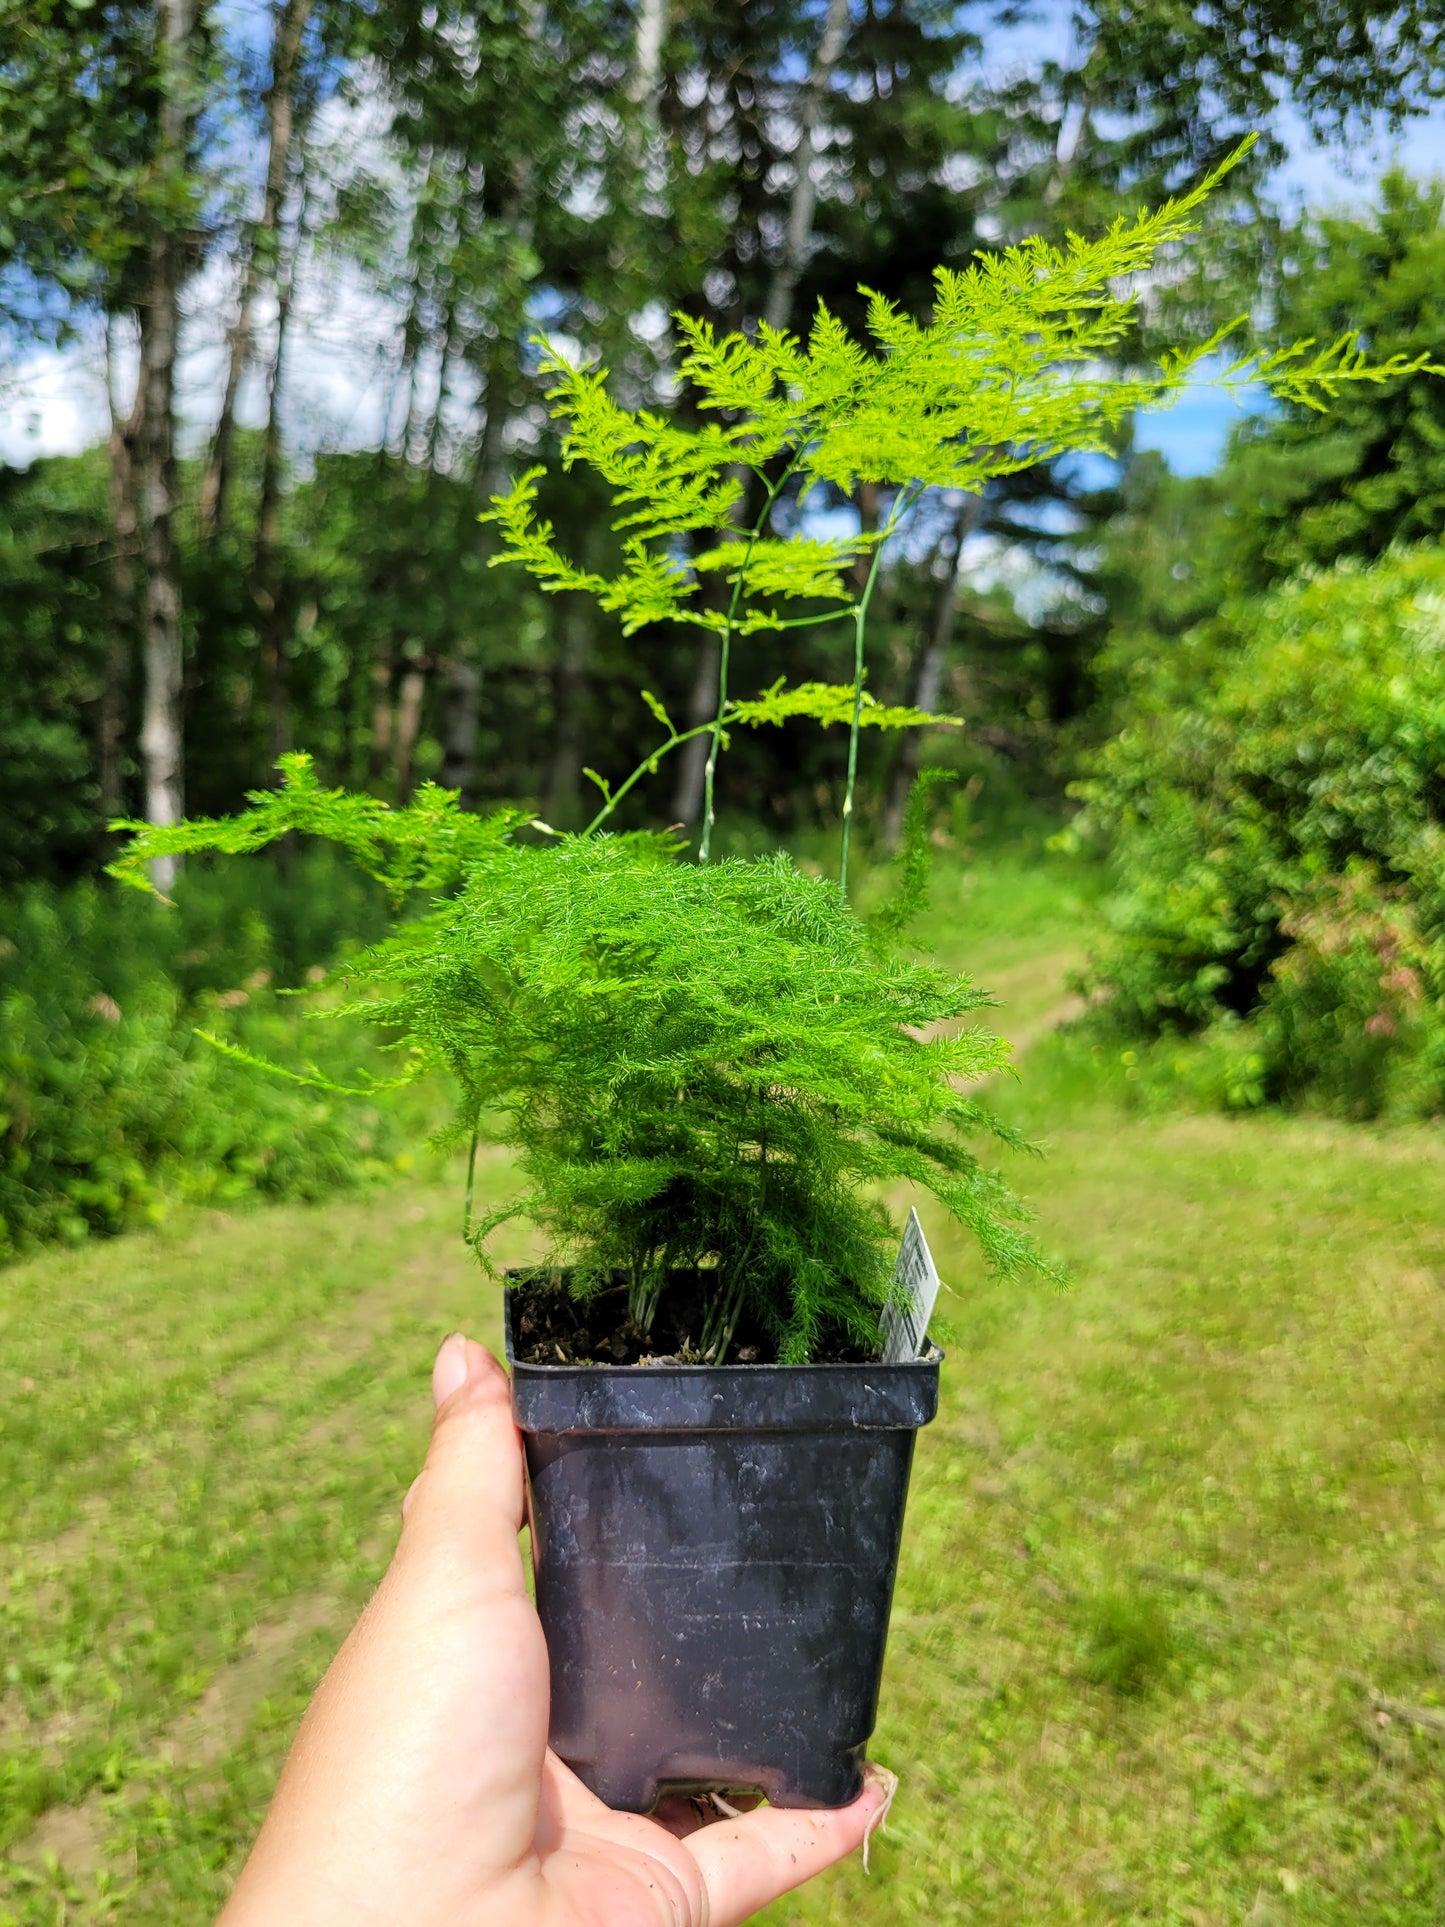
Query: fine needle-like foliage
[696, 1067]
[1014, 367]
[716, 1069]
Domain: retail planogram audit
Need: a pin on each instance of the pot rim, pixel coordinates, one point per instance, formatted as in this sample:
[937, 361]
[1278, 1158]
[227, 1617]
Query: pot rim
[927, 1361]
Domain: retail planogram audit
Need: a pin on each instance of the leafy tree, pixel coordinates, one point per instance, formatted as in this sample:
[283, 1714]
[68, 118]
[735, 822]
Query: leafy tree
[53, 541]
[1187, 80]
[1297, 488]
[78, 88]
[1279, 837]
[1306, 489]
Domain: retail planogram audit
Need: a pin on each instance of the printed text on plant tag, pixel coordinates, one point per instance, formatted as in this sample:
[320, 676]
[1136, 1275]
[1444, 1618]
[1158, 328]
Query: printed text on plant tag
[905, 1322]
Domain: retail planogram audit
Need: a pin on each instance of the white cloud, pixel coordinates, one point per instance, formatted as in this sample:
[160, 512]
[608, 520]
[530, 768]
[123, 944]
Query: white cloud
[342, 351]
[53, 403]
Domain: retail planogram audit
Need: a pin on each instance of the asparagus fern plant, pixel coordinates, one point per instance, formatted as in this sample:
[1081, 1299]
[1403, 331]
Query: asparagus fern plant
[1016, 365]
[717, 1067]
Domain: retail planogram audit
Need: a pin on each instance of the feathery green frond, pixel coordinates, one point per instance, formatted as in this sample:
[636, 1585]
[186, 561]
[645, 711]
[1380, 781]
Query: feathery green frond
[708, 1069]
[803, 567]
[914, 861]
[830, 703]
[1023, 359]
[429, 845]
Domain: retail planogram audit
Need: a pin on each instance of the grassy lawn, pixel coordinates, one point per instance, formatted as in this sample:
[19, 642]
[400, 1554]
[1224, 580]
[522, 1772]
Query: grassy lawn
[1169, 1642]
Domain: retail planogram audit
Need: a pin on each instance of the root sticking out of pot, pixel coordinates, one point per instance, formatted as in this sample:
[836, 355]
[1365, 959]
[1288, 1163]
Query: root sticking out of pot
[882, 1776]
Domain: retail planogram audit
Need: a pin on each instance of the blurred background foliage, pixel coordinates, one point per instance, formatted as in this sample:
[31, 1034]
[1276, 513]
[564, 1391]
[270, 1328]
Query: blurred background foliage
[299, 251]
[1169, 1639]
[1272, 805]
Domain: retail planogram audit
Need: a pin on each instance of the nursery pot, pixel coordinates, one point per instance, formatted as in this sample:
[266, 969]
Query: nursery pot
[715, 1549]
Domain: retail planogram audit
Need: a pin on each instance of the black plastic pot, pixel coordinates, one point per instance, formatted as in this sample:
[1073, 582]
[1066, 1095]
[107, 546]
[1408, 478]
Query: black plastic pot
[715, 1549]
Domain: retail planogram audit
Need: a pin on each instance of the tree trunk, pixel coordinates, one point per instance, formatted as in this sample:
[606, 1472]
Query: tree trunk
[155, 467]
[161, 748]
[798, 237]
[408, 725]
[261, 250]
[379, 755]
[462, 677]
[461, 713]
[266, 587]
[868, 503]
[644, 83]
[115, 689]
[562, 804]
[777, 312]
[929, 665]
[1073, 125]
[692, 757]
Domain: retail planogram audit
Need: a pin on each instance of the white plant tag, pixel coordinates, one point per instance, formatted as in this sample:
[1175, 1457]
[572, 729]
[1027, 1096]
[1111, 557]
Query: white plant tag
[905, 1324]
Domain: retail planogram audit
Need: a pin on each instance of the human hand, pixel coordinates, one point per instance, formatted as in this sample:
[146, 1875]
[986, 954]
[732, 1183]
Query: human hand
[421, 1791]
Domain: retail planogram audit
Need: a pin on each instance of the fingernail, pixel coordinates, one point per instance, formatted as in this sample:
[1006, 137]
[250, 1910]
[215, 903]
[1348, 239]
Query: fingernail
[449, 1373]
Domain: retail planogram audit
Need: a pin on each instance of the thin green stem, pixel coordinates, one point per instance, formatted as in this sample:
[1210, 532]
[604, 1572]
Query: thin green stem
[471, 1180]
[860, 626]
[644, 768]
[800, 622]
[725, 653]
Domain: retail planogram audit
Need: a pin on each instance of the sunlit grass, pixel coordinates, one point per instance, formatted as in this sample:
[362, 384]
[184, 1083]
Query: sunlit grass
[1166, 1538]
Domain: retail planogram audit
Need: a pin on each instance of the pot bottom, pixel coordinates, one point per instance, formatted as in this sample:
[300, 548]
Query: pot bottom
[817, 1785]
[716, 1607]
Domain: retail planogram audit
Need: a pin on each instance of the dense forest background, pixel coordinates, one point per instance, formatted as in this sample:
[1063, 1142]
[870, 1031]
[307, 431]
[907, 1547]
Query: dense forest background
[302, 251]
[284, 266]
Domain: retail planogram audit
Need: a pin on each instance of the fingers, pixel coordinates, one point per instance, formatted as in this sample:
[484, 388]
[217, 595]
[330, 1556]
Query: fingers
[470, 1491]
[748, 1862]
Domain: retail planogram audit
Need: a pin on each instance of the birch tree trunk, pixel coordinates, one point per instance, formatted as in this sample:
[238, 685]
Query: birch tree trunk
[155, 466]
[803, 202]
[261, 250]
[408, 725]
[266, 588]
[115, 690]
[379, 752]
[463, 676]
[646, 76]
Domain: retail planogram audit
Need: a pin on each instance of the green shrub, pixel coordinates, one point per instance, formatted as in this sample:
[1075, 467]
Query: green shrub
[1278, 834]
[109, 1103]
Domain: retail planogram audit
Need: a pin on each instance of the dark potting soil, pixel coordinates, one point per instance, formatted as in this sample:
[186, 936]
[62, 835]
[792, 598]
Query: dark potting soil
[551, 1327]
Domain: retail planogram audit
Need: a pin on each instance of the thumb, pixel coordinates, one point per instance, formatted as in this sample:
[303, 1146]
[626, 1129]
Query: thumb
[469, 1495]
[457, 1593]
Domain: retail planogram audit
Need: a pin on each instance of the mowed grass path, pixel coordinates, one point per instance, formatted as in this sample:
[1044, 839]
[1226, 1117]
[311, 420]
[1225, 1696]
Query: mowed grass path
[1169, 1640]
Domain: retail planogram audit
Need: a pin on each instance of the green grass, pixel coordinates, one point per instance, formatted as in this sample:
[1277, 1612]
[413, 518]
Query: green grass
[1166, 1537]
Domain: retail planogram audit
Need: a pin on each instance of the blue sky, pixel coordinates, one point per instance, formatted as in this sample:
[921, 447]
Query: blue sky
[1191, 435]
[54, 402]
